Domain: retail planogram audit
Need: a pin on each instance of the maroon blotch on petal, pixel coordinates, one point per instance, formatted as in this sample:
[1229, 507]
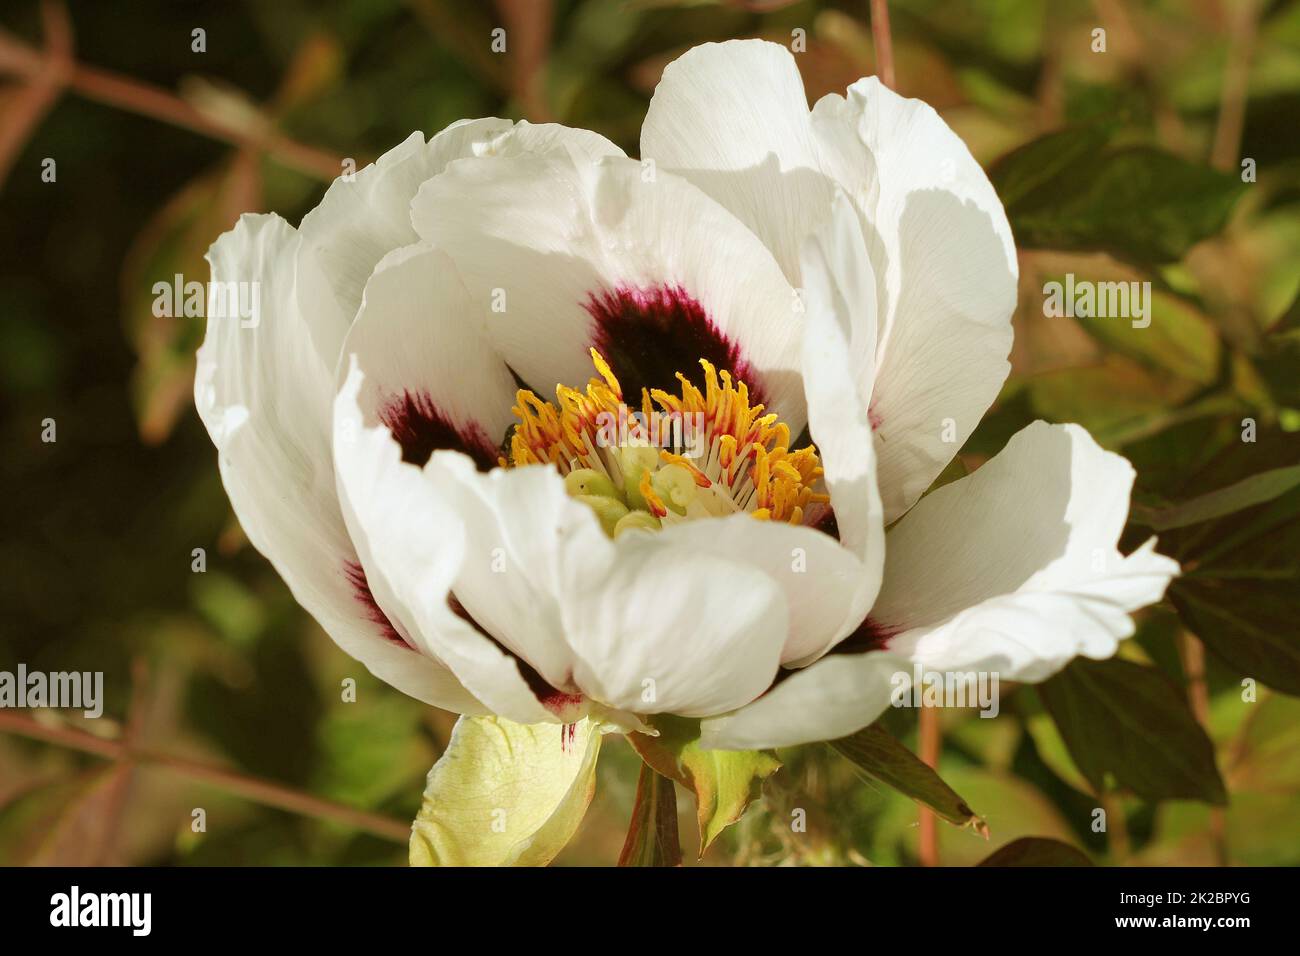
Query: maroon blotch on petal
[649, 335]
[356, 576]
[421, 428]
[556, 701]
[868, 636]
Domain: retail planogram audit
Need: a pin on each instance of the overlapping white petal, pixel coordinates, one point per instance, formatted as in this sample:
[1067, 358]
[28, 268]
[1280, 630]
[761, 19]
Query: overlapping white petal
[732, 118]
[945, 268]
[365, 214]
[419, 337]
[661, 627]
[1033, 577]
[415, 547]
[838, 368]
[535, 237]
[264, 395]
[827, 588]
[1013, 569]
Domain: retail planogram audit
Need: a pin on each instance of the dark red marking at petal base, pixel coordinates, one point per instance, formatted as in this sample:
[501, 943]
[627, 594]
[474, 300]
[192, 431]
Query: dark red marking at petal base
[374, 613]
[869, 636]
[556, 701]
[421, 429]
[827, 523]
[649, 335]
[873, 417]
[567, 734]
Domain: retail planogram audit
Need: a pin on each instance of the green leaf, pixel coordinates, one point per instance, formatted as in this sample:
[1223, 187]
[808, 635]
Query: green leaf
[1037, 851]
[1239, 594]
[1122, 718]
[1025, 170]
[66, 822]
[1109, 398]
[1250, 491]
[652, 838]
[725, 782]
[1065, 191]
[1278, 356]
[1240, 587]
[876, 753]
[1180, 339]
[506, 794]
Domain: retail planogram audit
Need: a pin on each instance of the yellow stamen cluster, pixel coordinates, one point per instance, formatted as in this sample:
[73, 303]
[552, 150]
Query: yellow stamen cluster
[742, 459]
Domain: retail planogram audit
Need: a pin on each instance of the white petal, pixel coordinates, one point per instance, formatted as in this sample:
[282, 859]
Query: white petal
[414, 547]
[431, 375]
[564, 254]
[1015, 569]
[521, 531]
[541, 138]
[945, 268]
[663, 628]
[839, 694]
[822, 581]
[365, 215]
[838, 366]
[1012, 570]
[362, 219]
[264, 394]
[733, 119]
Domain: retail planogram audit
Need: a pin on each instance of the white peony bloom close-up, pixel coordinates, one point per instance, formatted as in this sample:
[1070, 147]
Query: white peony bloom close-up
[566, 441]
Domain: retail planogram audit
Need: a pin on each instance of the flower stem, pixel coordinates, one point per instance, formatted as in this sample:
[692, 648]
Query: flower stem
[1192, 653]
[883, 42]
[652, 838]
[930, 744]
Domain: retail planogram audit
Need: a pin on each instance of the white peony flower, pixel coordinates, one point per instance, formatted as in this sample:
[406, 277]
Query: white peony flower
[841, 277]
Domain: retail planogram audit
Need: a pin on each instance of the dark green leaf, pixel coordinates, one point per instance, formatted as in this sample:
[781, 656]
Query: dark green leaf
[1066, 191]
[1251, 491]
[876, 753]
[1023, 171]
[1037, 851]
[1240, 593]
[1122, 718]
[1240, 587]
[1278, 360]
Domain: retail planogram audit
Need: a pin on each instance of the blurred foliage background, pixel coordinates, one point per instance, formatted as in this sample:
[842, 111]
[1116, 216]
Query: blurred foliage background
[223, 695]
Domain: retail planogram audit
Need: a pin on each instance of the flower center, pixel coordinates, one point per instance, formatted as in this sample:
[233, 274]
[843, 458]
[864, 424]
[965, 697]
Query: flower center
[673, 458]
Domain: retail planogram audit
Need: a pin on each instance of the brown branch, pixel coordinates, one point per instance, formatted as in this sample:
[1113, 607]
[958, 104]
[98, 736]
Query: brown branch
[1236, 79]
[883, 42]
[1192, 653]
[929, 744]
[57, 64]
[528, 24]
[264, 792]
[124, 778]
[467, 34]
[49, 74]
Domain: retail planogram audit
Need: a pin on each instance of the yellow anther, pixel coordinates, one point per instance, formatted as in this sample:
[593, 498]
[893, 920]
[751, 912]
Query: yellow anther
[747, 448]
[701, 479]
[648, 495]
